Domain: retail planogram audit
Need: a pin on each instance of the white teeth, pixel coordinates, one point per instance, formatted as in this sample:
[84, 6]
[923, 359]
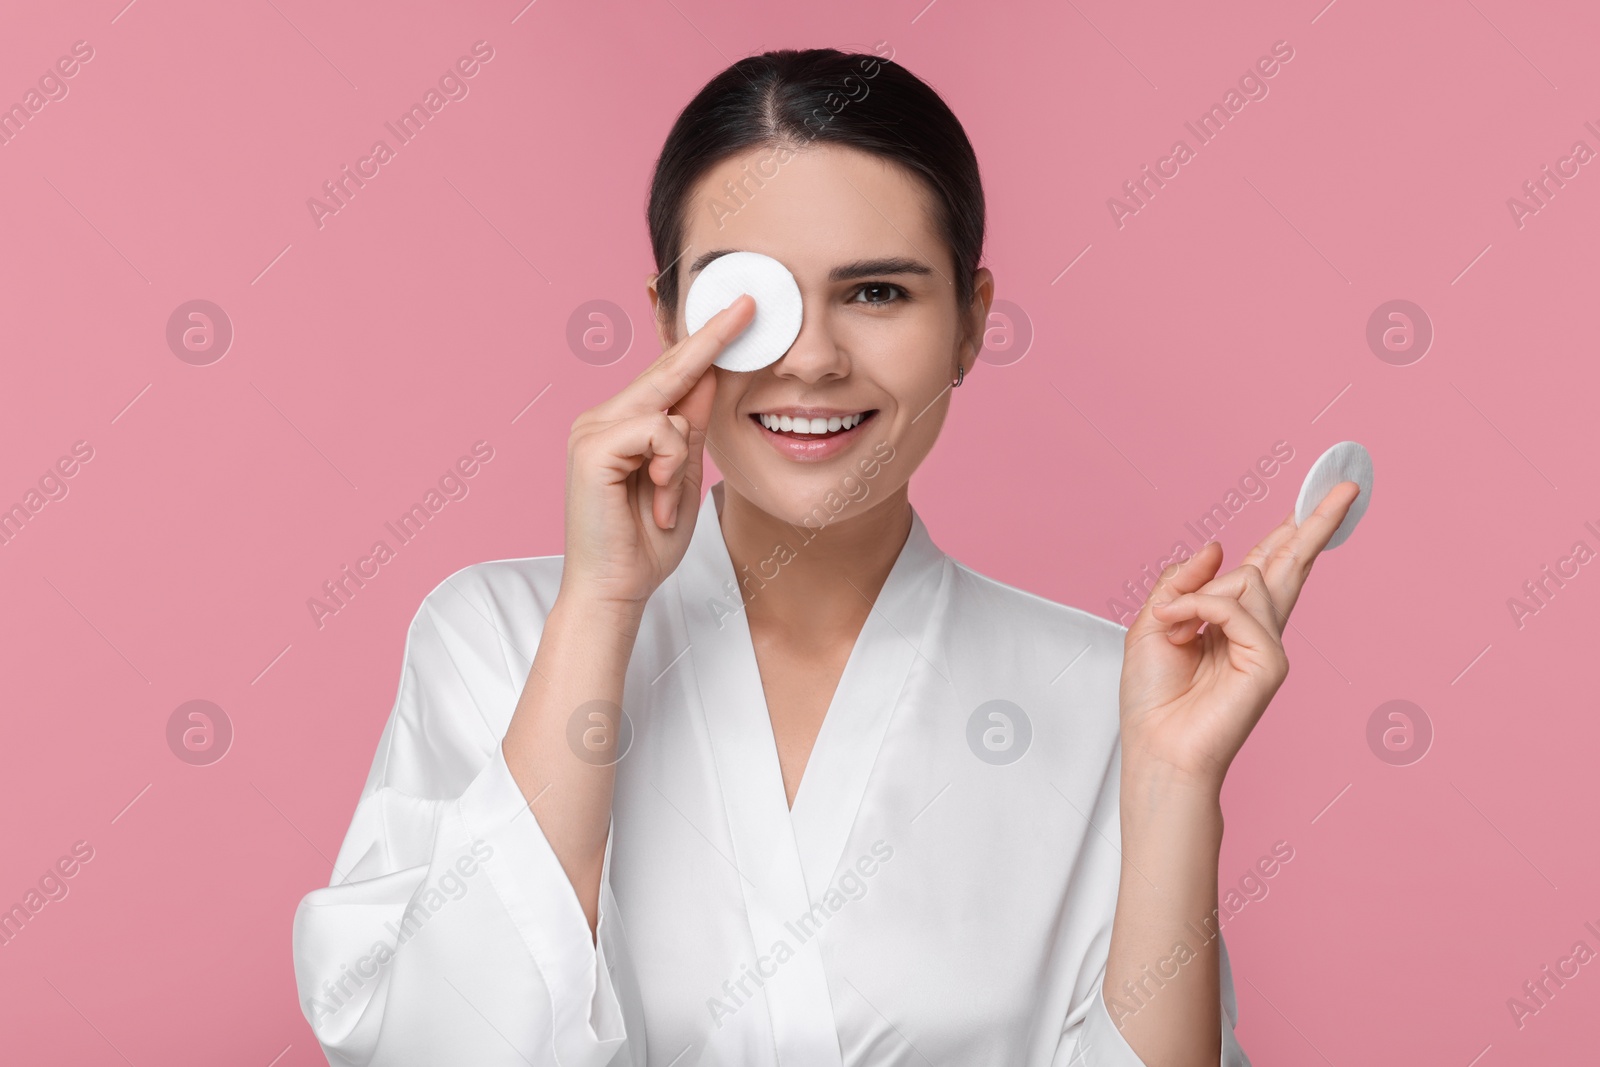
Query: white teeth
[812, 425]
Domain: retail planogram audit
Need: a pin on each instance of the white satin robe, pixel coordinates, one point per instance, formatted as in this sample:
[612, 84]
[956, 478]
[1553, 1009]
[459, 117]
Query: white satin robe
[919, 904]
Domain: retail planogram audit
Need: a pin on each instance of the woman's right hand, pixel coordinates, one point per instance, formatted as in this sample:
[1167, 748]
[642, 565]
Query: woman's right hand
[634, 471]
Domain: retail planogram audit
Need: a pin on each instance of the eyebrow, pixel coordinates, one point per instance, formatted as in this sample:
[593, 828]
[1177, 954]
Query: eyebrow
[861, 268]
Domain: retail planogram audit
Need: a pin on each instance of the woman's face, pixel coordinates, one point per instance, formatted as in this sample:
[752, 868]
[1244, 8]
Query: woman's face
[881, 335]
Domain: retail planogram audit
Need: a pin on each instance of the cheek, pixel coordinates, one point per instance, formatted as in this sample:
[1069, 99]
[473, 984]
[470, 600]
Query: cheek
[919, 385]
[912, 363]
[726, 402]
[898, 342]
[914, 440]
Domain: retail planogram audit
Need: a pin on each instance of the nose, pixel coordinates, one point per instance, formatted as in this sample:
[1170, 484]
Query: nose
[815, 355]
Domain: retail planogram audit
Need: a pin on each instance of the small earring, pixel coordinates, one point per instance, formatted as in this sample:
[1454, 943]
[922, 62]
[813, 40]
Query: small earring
[961, 372]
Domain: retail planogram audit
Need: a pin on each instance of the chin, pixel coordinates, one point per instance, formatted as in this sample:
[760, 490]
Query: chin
[815, 494]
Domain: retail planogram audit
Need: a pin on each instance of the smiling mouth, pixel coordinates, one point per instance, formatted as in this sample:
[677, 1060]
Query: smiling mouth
[813, 428]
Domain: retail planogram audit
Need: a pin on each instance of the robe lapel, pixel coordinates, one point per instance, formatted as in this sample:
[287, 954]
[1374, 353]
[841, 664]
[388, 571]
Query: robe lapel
[847, 746]
[746, 759]
[786, 862]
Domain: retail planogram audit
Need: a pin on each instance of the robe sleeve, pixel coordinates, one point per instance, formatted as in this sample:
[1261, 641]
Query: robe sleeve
[1091, 1037]
[449, 932]
[1096, 1041]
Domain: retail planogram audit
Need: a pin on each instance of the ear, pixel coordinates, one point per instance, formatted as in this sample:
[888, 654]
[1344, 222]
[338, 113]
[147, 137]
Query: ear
[976, 317]
[664, 327]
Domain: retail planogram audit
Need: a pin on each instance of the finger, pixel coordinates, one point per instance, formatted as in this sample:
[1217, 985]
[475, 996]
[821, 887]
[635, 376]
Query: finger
[666, 471]
[1182, 577]
[695, 405]
[695, 410]
[1288, 529]
[1241, 628]
[1275, 537]
[668, 450]
[1285, 556]
[1246, 584]
[1320, 525]
[664, 460]
[618, 449]
[672, 376]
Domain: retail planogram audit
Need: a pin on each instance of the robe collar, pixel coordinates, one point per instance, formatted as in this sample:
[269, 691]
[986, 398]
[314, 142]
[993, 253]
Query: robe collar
[787, 859]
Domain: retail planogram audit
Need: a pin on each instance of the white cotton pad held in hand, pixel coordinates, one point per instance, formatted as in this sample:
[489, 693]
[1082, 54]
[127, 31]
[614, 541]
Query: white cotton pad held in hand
[778, 309]
[1346, 461]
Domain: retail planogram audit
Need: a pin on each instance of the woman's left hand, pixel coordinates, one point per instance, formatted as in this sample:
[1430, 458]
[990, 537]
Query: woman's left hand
[1190, 698]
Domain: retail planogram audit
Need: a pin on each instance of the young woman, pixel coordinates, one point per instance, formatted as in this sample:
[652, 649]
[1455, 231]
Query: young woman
[783, 783]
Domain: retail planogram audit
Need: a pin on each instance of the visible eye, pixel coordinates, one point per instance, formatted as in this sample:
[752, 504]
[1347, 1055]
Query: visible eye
[883, 289]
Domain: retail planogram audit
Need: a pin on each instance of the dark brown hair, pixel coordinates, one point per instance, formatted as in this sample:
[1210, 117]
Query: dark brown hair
[795, 98]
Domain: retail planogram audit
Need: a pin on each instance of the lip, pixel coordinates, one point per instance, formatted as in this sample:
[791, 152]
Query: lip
[810, 412]
[802, 449]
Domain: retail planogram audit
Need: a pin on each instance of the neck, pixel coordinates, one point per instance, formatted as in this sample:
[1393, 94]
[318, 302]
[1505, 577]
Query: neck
[815, 584]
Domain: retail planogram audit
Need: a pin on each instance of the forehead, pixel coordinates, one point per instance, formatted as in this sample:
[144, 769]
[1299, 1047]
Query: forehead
[826, 205]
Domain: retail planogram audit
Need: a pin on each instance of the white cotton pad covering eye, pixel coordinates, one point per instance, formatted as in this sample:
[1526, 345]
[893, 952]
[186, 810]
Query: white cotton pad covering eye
[1346, 461]
[778, 308]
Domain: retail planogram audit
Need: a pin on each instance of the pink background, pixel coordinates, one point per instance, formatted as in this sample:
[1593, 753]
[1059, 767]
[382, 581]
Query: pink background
[1228, 314]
